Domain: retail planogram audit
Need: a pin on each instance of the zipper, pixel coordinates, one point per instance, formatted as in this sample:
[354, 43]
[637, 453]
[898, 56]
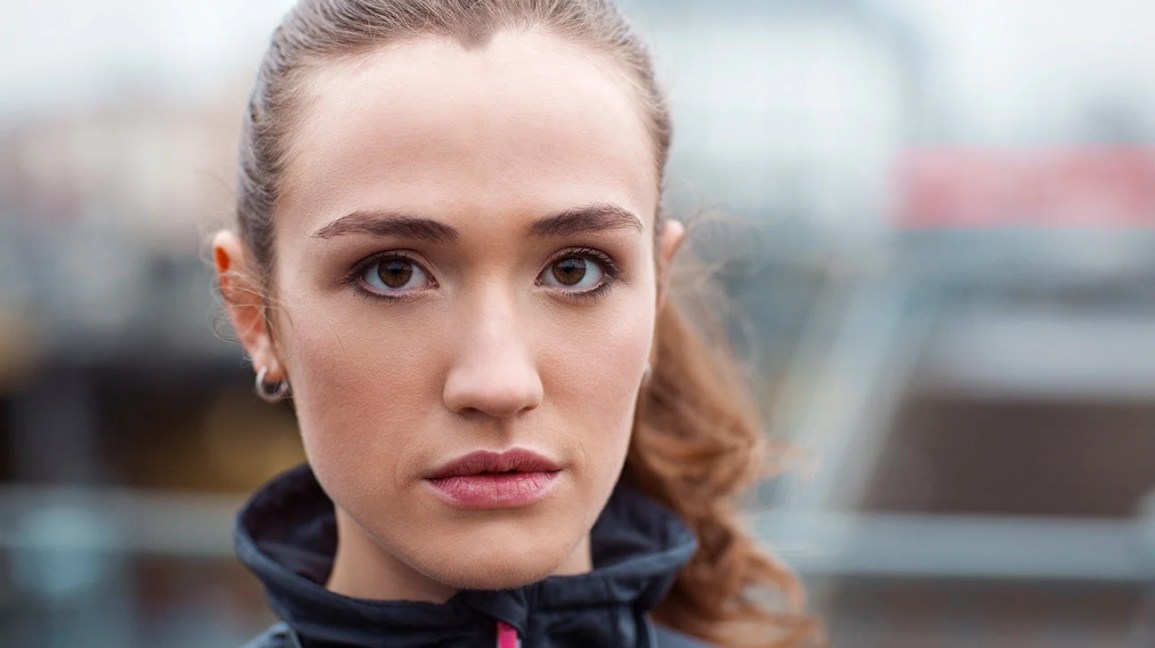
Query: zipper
[507, 636]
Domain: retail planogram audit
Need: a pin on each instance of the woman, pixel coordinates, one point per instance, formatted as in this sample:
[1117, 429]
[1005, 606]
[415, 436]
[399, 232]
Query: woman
[449, 245]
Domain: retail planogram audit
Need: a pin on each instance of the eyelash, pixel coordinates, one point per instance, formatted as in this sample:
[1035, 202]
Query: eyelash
[613, 274]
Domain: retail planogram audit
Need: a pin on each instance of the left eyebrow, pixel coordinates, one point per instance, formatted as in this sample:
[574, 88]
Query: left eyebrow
[591, 218]
[388, 224]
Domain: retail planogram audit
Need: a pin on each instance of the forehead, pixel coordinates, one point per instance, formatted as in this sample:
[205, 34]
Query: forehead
[527, 123]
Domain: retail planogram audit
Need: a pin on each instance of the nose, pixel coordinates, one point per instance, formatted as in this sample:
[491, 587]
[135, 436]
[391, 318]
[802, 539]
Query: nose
[493, 370]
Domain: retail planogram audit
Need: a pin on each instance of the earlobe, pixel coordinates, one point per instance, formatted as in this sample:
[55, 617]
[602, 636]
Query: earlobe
[669, 241]
[244, 303]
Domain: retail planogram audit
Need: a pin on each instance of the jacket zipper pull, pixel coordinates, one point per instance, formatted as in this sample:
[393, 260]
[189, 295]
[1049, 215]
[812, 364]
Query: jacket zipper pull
[507, 636]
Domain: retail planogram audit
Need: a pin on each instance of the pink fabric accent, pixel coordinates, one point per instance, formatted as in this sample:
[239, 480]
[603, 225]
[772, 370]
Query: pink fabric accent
[507, 636]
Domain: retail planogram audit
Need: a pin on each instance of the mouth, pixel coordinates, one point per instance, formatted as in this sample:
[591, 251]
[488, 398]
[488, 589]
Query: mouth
[489, 480]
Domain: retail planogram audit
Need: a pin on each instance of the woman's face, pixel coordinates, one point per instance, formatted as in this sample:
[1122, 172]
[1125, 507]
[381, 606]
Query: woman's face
[465, 263]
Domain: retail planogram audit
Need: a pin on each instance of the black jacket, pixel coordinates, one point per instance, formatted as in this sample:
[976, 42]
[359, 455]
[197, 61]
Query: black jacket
[286, 535]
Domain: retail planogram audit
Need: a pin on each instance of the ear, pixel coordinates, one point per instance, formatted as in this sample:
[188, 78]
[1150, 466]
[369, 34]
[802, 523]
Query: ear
[245, 304]
[669, 240]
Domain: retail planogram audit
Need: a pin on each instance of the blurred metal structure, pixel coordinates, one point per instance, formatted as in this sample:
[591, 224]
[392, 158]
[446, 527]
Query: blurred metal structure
[980, 408]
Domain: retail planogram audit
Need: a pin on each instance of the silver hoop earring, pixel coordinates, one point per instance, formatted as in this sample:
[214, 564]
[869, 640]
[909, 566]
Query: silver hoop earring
[271, 393]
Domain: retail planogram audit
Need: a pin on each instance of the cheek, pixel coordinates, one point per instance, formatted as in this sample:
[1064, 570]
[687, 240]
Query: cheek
[591, 375]
[362, 386]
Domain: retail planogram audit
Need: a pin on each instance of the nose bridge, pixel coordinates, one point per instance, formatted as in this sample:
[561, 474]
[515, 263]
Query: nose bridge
[493, 318]
[493, 369]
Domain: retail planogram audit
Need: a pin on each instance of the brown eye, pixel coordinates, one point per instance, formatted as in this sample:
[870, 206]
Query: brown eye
[569, 271]
[395, 276]
[574, 274]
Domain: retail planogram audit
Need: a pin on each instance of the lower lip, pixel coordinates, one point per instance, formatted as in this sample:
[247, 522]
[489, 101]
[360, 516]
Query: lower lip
[496, 490]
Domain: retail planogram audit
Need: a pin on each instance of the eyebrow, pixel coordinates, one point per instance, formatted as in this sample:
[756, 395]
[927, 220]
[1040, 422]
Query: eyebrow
[388, 224]
[591, 218]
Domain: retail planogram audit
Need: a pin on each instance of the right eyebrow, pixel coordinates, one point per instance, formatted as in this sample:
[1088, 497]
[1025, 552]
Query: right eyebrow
[388, 224]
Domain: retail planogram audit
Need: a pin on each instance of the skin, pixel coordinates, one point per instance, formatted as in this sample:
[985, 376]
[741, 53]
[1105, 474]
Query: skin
[484, 348]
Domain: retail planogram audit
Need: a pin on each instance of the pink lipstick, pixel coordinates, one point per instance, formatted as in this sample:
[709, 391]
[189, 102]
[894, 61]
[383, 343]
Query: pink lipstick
[490, 480]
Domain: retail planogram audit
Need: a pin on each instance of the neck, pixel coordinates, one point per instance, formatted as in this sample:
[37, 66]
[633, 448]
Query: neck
[363, 569]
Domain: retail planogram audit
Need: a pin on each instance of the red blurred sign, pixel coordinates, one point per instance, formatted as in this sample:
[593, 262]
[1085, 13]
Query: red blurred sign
[1110, 186]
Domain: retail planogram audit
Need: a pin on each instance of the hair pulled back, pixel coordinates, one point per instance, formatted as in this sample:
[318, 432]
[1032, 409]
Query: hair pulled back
[696, 440]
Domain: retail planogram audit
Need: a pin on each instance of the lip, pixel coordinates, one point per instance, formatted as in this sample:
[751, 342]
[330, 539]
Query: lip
[491, 480]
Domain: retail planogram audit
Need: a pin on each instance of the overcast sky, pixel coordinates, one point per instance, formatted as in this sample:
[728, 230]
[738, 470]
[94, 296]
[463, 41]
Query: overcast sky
[1000, 67]
[54, 51]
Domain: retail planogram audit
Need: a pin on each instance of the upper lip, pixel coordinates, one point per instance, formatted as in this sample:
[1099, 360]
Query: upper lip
[483, 461]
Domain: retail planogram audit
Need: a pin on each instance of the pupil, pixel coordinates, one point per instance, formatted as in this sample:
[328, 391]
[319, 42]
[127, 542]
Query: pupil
[570, 271]
[395, 274]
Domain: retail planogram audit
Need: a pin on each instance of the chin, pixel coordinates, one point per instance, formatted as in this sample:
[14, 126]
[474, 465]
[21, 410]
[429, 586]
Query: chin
[491, 579]
[499, 565]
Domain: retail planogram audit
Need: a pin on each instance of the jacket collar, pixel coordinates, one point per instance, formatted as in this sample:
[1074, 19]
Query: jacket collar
[286, 534]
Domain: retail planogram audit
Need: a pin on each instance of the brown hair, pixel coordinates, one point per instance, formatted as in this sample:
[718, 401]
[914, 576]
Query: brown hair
[696, 440]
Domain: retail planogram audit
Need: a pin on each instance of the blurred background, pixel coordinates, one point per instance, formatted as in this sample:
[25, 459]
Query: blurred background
[944, 275]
